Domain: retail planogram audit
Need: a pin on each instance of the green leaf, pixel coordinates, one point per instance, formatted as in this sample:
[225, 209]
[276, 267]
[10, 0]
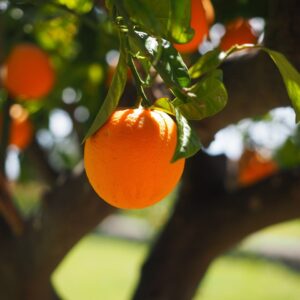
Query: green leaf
[179, 22]
[206, 98]
[188, 142]
[168, 19]
[206, 63]
[173, 66]
[165, 105]
[165, 59]
[113, 96]
[291, 78]
[288, 155]
[151, 16]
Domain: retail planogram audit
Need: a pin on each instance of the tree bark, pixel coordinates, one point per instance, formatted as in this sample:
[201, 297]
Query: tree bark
[68, 212]
[209, 220]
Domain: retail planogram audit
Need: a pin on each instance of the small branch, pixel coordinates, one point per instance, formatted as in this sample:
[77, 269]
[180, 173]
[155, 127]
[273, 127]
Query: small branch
[8, 209]
[138, 81]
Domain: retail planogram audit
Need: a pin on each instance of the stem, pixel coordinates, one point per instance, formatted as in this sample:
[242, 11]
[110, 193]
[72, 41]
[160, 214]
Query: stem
[139, 83]
[241, 48]
[178, 92]
[142, 97]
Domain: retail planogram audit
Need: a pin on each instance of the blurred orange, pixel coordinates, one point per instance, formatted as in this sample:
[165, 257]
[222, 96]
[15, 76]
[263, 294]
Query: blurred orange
[238, 32]
[253, 167]
[21, 128]
[209, 11]
[199, 23]
[28, 73]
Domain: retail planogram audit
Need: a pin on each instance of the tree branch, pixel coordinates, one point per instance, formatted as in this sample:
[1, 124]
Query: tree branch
[253, 81]
[8, 210]
[209, 220]
[254, 87]
[68, 212]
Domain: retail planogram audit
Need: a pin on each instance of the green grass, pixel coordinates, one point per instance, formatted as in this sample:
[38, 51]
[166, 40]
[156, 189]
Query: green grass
[247, 279]
[103, 268]
[100, 268]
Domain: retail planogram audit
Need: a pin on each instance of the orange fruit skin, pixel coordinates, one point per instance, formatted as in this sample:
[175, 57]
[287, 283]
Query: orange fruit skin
[209, 11]
[238, 32]
[199, 24]
[21, 133]
[127, 160]
[28, 73]
[253, 168]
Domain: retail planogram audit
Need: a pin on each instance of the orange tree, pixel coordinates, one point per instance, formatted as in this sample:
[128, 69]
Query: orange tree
[77, 40]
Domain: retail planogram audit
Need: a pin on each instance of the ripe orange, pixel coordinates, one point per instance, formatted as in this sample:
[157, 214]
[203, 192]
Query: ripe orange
[209, 11]
[200, 25]
[127, 161]
[21, 129]
[28, 73]
[238, 32]
[253, 167]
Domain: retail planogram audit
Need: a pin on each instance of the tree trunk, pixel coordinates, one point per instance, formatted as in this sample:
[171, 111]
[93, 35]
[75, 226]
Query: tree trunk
[207, 219]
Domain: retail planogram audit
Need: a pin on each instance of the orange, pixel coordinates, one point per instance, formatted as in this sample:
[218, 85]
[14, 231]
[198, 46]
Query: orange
[238, 32]
[209, 11]
[28, 73]
[128, 160]
[199, 24]
[253, 167]
[21, 129]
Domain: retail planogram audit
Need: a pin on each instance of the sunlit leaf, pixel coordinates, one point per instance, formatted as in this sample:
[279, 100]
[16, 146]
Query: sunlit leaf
[291, 78]
[188, 142]
[165, 105]
[179, 23]
[152, 16]
[206, 63]
[81, 6]
[165, 58]
[206, 98]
